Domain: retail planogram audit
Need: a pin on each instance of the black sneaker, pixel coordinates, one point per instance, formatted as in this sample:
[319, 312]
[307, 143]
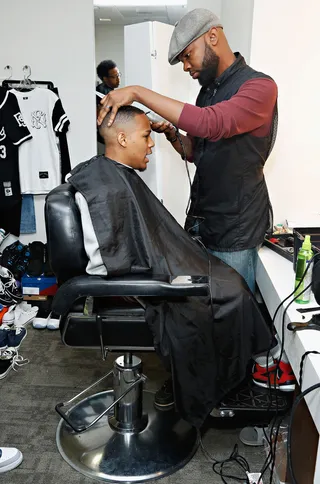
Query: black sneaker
[5, 298]
[3, 339]
[5, 367]
[164, 398]
[6, 361]
[9, 286]
[16, 336]
[10, 360]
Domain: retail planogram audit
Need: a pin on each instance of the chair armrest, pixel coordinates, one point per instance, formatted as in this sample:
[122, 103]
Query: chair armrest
[137, 285]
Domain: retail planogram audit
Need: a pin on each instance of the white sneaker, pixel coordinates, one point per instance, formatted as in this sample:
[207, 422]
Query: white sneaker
[25, 314]
[41, 323]
[53, 323]
[9, 316]
[10, 458]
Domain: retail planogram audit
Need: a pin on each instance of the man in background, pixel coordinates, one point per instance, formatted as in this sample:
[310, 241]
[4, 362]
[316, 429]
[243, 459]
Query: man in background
[109, 74]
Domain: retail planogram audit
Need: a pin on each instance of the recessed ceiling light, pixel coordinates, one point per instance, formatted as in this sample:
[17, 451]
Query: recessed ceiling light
[105, 19]
[138, 3]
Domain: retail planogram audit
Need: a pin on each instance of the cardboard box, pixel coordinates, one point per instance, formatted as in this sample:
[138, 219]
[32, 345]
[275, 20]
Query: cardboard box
[39, 286]
[35, 298]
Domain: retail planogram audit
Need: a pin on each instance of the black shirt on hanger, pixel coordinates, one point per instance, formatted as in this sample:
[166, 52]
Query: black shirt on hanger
[13, 132]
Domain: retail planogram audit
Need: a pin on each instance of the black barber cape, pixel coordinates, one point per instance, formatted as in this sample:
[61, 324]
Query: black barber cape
[209, 342]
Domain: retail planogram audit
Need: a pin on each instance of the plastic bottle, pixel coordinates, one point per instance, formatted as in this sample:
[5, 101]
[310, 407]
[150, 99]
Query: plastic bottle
[305, 254]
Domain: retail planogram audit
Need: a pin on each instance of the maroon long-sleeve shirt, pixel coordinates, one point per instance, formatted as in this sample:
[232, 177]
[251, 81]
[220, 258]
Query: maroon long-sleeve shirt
[248, 111]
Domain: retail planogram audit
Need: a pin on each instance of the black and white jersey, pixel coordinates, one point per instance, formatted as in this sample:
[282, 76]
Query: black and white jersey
[39, 160]
[13, 133]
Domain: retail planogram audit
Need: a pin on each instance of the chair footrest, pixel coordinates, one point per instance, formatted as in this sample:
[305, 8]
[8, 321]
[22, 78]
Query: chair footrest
[252, 403]
[120, 328]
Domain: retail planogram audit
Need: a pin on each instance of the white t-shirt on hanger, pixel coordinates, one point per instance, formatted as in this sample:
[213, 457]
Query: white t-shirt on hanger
[39, 160]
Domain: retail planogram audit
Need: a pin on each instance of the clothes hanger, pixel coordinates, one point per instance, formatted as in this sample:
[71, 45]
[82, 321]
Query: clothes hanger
[8, 68]
[26, 84]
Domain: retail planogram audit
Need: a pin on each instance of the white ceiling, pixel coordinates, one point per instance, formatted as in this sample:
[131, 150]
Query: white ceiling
[133, 15]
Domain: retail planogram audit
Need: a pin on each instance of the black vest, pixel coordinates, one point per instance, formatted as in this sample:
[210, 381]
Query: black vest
[229, 193]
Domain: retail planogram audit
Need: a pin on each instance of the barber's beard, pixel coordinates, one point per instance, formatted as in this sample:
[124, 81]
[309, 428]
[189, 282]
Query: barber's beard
[209, 69]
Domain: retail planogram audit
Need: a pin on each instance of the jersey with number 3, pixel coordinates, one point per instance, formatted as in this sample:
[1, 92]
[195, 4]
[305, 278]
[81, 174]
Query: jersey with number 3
[13, 132]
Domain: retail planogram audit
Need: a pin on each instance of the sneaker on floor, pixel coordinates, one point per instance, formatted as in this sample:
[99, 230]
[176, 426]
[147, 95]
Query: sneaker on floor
[25, 314]
[5, 367]
[253, 436]
[40, 323]
[3, 338]
[10, 285]
[278, 379]
[16, 336]
[164, 398]
[10, 458]
[10, 360]
[5, 299]
[8, 317]
[6, 361]
[53, 323]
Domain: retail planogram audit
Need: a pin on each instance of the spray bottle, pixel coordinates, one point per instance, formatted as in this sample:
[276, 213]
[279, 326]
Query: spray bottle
[305, 254]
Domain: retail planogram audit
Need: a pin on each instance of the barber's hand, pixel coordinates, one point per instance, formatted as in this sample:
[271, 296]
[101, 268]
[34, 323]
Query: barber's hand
[113, 101]
[164, 127]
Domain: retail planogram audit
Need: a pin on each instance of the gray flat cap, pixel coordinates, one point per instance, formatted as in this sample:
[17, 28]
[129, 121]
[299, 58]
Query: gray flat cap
[189, 28]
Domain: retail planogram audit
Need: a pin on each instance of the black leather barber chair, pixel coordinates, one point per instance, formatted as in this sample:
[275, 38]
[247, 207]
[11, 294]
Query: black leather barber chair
[115, 435]
[118, 435]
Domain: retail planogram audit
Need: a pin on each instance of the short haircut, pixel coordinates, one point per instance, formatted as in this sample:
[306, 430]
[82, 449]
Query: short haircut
[124, 115]
[104, 67]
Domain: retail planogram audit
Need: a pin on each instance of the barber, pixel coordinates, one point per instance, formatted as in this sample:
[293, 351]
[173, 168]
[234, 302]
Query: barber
[230, 134]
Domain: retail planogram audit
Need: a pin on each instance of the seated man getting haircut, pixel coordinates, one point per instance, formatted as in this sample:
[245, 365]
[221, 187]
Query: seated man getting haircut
[207, 340]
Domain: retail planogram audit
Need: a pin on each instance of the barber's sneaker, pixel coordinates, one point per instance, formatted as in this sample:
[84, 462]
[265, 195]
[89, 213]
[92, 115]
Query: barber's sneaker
[281, 378]
[10, 458]
[264, 377]
[285, 378]
[164, 399]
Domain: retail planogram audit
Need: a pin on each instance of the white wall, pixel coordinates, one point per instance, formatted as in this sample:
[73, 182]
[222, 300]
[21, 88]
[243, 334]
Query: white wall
[213, 5]
[236, 17]
[57, 40]
[110, 45]
[285, 45]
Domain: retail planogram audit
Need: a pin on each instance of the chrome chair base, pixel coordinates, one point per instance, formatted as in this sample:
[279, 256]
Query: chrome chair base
[164, 445]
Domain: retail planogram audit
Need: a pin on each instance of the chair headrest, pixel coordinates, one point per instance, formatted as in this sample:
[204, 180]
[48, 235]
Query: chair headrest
[64, 233]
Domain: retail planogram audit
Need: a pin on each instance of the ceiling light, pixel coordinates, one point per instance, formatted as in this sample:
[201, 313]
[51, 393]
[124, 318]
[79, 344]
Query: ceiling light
[105, 19]
[138, 3]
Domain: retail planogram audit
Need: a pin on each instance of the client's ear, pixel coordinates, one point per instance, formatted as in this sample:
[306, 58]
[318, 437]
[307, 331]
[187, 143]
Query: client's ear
[122, 139]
